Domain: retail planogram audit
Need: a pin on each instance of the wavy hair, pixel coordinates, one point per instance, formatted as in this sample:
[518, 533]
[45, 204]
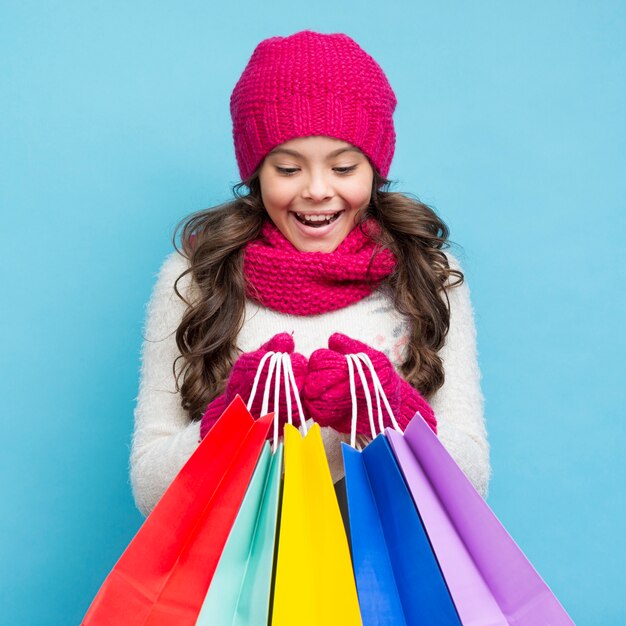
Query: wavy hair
[213, 241]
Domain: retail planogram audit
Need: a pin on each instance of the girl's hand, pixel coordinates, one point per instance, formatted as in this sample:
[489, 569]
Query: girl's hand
[326, 393]
[245, 368]
[242, 376]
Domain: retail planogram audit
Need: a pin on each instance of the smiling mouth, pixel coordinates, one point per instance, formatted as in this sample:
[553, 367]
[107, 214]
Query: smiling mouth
[317, 221]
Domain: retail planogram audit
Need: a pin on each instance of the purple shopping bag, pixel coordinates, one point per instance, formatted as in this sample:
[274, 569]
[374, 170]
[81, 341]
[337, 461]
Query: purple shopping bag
[490, 579]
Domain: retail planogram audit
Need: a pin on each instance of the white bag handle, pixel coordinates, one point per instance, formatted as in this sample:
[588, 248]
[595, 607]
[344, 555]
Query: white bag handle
[257, 377]
[291, 379]
[378, 389]
[380, 393]
[353, 360]
[277, 361]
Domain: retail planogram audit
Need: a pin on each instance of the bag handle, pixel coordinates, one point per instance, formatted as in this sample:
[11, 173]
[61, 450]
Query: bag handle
[277, 361]
[380, 393]
[355, 360]
[291, 379]
[257, 377]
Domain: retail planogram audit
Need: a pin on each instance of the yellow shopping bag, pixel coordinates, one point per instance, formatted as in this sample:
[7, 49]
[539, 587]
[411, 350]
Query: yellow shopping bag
[314, 579]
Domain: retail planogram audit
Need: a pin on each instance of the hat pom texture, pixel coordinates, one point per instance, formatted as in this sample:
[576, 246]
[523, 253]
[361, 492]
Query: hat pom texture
[312, 84]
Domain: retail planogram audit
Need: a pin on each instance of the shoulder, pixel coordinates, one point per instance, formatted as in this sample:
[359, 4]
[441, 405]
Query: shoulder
[455, 260]
[171, 270]
[173, 266]
[462, 312]
[166, 307]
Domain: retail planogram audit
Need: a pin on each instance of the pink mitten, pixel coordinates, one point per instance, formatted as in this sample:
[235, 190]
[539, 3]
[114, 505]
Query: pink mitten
[242, 376]
[327, 396]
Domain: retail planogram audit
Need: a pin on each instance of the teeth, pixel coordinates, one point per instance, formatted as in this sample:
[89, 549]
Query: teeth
[315, 218]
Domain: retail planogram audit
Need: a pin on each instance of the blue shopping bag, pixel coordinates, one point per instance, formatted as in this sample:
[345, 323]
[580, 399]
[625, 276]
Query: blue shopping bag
[398, 579]
[397, 575]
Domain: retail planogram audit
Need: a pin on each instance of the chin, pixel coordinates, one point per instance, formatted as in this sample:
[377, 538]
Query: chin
[316, 246]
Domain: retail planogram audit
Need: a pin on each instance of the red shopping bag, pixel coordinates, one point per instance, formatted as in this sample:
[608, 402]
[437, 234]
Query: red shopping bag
[163, 575]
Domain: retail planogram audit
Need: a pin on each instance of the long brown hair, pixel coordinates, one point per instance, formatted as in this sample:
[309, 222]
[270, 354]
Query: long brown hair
[213, 240]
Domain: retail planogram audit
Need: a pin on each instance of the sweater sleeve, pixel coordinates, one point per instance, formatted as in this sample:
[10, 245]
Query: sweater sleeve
[164, 436]
[458, 404]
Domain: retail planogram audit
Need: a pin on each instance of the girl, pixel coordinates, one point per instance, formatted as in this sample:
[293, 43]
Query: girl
[316, 258]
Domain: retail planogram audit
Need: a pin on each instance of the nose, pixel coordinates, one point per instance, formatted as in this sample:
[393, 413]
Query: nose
[317, 187]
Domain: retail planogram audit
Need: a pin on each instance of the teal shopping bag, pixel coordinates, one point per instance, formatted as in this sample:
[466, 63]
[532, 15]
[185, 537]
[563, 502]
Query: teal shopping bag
[239, 594]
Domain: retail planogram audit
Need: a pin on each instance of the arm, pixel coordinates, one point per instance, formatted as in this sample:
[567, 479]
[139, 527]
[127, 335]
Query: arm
[164, 437]
[458, 404]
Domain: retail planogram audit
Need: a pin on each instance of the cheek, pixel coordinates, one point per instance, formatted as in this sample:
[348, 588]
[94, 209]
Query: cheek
[359, 194]
[276, 195]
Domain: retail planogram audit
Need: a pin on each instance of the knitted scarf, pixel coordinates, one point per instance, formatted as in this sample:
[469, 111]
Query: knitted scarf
[280, 277]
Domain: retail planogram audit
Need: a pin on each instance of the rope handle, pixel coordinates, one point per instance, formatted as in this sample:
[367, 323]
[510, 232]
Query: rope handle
[277, 361]
[355, 360]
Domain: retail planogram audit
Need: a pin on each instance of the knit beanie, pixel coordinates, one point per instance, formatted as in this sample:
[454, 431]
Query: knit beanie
[312, 84]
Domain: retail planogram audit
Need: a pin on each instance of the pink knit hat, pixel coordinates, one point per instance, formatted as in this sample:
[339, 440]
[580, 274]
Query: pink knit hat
[312, 84]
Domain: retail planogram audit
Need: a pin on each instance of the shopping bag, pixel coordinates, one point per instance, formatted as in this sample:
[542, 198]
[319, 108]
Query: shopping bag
[163, 575]
[491, 581]
[397, 576]
[314, 582]
[240, 589]
[239, 593]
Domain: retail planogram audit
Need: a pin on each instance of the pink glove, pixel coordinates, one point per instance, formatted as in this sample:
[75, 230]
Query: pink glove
[241, 380]
[327, 395]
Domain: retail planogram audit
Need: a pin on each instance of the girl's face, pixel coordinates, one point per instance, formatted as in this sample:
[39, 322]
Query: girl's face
[313, 188]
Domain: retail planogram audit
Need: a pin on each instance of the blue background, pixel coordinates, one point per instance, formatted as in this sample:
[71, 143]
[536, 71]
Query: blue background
[114, 124]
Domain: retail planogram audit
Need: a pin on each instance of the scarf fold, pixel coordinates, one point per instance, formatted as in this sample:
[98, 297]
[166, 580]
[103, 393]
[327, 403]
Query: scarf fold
[280, 277]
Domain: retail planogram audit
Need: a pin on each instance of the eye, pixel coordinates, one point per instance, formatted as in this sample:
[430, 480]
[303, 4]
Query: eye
[344, 170]
[286, 171]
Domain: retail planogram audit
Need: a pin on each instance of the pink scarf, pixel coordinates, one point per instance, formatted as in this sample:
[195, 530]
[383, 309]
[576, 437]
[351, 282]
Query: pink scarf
[280, 277]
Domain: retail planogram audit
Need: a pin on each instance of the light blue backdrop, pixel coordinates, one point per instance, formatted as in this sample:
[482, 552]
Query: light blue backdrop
[114, 124]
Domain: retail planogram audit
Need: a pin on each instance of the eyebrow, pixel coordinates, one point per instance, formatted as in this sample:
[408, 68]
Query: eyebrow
[297, 154]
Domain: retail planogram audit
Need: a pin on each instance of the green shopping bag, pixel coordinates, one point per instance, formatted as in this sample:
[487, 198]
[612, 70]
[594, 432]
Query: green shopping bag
[239, 594]
[240, 590]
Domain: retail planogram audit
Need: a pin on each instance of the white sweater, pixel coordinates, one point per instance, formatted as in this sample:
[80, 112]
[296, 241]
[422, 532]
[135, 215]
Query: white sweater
[165, 437]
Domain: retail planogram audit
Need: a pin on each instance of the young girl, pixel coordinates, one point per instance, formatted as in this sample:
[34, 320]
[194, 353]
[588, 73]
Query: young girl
[316, 259]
